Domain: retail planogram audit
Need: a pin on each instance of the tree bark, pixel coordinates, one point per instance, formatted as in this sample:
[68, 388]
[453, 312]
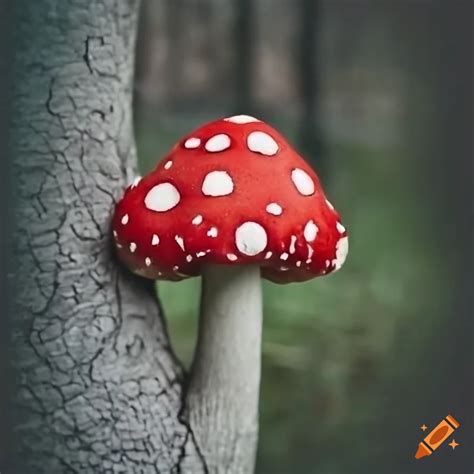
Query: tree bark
[309, 133]
[176, 50]
[5, 56]
[97, 388]
[244, 55]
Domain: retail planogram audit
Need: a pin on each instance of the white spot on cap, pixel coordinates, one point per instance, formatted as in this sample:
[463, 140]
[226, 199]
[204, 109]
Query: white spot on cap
[217, 143]
[268, 255]
[310, 231]
[162, 197]
[250, 238]
[200, 254]
[284, 256]
[261, 142]
[124, 219]
[341, 229]
[327, 263]
[119, 246]
[136, 181]
[191, 143]
[212, 232]
[284, 269]
[197, 219]
[303, 182]
[115, 234]
[292, 244]
[274, 208]
[148, 261]
[155, 240]
[342, 249]
[310, 252]
[175, 268]
[298, 263]
[232, 257]
[241, 119]
[330, 205]
[132, 247]
[180, 242]
[217, 183]
[189, 258]
[168, 165]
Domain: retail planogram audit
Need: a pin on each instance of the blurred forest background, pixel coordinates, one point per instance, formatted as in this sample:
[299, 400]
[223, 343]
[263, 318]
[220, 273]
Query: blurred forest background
[368, 92]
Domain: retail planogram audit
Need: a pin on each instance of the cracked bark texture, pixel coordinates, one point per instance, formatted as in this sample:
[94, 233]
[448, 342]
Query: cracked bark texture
[97, 388]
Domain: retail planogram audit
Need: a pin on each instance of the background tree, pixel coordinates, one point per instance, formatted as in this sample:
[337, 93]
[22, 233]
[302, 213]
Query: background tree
[4, 214]
[244, 55]
[176, 48]
[309, 134]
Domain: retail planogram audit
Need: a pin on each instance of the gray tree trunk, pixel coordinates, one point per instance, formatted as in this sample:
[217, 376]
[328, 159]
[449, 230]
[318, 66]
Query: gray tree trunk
[244, 55]
[309, 134]
[97, 388]
[4, 213]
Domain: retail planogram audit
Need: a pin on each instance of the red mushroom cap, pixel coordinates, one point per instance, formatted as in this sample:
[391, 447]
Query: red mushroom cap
[231, 192]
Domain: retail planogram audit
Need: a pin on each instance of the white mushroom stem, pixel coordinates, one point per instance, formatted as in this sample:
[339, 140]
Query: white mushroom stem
[223, 391]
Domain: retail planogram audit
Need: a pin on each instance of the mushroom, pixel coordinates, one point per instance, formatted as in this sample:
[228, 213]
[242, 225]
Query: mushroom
[233, 202]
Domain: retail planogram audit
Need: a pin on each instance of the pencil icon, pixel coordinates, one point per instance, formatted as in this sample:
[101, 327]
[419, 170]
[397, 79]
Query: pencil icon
[436, 437]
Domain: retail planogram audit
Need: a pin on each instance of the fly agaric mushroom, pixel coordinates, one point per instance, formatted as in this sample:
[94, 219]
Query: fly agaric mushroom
[232, 201]
[232, 192]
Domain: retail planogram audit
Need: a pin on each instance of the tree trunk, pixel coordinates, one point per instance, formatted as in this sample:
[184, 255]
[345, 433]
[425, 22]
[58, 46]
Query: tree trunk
[244, 50]
[5, 56]
[97, 388]
[176, 51]
[309, 133]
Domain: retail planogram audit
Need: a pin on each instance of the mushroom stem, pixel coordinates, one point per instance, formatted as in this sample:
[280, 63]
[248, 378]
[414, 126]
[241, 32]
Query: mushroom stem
[223, 391]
